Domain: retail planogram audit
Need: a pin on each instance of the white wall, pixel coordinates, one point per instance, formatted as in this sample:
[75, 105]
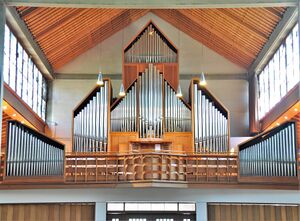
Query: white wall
[66, 94]
[149, 195]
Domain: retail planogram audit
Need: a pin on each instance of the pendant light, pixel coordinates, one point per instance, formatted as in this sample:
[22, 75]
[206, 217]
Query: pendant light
[179, 92]
[100, 81]
[122, 91]
[202, 77]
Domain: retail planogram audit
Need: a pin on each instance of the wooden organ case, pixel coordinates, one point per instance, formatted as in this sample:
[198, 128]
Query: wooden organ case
[151, 117]
[149, 133]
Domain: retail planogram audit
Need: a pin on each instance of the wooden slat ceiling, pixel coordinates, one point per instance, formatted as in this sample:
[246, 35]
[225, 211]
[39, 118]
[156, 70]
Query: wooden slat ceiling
[237, 34]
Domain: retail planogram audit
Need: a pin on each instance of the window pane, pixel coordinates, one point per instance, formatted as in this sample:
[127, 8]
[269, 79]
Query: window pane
[13, 59]
[21, 74]
[6, 55]
[280, 75]
[19, 69]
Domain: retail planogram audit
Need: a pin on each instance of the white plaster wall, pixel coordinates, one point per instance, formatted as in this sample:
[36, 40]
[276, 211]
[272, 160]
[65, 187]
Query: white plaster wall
[108, 54]
[150, 195]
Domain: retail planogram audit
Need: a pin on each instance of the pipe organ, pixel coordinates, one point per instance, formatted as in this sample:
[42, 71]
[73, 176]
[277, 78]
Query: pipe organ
[150, 103]
[177, 112]
[211, 127]
[30, 153]
[123, 115]
[270, 154]
[91, 121]
[150, 47]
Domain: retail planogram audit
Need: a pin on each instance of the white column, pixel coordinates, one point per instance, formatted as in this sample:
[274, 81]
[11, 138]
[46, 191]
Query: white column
[201, 211]
[100, 211]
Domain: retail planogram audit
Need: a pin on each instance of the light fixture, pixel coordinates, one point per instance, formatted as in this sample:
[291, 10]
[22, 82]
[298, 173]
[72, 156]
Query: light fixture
[100, 79]
[295, 109]
[122, 91]
[202, 80]
[22, 122]
[285, 117]
[4, 107]
[179, 92]
[277, 124]
[14, 115]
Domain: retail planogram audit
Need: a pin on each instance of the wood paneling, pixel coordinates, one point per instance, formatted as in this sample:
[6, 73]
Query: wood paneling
[5, 118]
[235, 33]
[48, 212]
[155, 166]
[253, 212]
[120, 141]
[181, 141]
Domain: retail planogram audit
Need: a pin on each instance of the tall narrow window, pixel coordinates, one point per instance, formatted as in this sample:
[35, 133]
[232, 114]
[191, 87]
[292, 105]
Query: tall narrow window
[280, 74]
[23, 76]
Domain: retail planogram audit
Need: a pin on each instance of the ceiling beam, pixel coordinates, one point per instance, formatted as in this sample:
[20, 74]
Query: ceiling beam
[211, 76]
[19, 27]
[287, 22]
[153, 4]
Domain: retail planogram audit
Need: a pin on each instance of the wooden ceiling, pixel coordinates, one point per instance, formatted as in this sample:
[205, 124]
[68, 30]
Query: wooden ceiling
[238, 34]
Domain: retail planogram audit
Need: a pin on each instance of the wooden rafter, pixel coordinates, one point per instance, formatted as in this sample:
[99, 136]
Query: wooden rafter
[238, 34]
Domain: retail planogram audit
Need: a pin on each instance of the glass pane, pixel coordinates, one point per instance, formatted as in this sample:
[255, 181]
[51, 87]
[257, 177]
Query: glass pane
[13, 59]
[115, 206]
[35, 89]
[187, 207]
[6, 55]
[289, 61]
[19, 69]
[30, 82]
[282, 57]
[296, 55]
[25, 78]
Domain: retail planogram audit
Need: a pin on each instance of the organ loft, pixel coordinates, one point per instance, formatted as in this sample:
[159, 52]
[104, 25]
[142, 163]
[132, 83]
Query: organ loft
[150, 134]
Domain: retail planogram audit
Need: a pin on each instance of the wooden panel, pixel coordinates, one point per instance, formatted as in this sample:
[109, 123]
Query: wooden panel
[120, 141]
[48, 212]
[130, 74]
[238, 34]
[5, 118]
[171, 74]
[181, 141]
[249, 212]
[155, 166]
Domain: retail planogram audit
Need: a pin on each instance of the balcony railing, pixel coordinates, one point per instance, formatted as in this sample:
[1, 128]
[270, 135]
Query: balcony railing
[138, 167]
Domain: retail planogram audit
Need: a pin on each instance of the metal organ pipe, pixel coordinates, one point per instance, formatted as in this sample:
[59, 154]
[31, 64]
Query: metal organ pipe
[90, 124]
[177, 114]
[210, 124]
[150, 47]
[123, 116]
[31, 154]
[271, 154]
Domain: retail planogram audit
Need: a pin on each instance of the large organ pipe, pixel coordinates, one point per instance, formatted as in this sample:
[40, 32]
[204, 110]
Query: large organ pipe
[210, 122]
[150, 103]
[91, 122]
[272, 153]
[30, 153]
[123, 116]
[177, 113]
[150, 47]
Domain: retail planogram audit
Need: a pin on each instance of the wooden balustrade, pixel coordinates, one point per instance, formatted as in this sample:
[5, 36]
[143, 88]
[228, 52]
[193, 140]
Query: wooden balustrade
[138, 167]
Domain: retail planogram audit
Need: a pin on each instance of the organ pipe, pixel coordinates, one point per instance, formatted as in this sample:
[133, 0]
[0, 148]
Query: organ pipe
[150, 47]
[210, 123]
[91, 123]
[270, 154]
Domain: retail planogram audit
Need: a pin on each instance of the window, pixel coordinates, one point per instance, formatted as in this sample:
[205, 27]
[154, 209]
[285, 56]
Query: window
[22, 75]
[280, 75]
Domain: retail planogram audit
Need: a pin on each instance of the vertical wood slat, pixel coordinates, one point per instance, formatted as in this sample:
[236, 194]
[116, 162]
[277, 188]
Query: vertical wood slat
[47, 212]
[250, 212]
